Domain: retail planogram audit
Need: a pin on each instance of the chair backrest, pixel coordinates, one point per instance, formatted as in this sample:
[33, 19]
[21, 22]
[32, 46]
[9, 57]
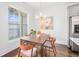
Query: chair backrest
[52, 40]
[22, 42]
[24, 46]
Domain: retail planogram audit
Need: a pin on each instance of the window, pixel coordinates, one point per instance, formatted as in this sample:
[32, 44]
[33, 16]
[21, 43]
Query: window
[23, 24]
[17, 22]
[14, 23]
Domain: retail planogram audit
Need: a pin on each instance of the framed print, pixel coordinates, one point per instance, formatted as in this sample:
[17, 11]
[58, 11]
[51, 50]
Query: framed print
[46, 22]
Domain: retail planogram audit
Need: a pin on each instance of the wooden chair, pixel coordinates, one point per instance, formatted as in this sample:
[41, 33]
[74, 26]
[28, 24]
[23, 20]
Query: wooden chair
[50, 44]
[26, 50]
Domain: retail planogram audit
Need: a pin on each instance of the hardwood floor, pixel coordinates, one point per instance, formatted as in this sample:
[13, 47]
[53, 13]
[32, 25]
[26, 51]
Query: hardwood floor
[62, 51]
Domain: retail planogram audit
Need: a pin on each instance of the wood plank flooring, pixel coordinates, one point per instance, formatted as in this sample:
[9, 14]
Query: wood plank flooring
[62, 51]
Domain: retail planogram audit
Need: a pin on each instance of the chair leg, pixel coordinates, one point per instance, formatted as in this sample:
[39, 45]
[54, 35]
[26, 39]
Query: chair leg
[37, 52]
[49, 51]
[31, 52]
[41, 51]
[21, 55]
[54, 50]
[45, 52]
[19, 52]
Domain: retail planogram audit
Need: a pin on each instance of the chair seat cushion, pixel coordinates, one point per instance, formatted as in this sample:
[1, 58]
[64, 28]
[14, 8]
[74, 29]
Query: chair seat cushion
[47, 44]
[28, 52]
[26, 47]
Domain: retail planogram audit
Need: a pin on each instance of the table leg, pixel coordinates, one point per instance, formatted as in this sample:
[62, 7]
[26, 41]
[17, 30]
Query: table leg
[45, 52]
[41, 51]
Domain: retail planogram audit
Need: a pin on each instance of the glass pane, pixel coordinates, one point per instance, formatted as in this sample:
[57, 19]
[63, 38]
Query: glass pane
[14, 33]
[13, 15]
[24, 29]
[14, 26]
[23, 24]
[13, 22]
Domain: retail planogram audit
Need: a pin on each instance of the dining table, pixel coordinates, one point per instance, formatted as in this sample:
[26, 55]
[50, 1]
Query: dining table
[37, 41]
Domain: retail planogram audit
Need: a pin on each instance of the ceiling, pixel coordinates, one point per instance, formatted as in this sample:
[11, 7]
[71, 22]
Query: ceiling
[41, 5]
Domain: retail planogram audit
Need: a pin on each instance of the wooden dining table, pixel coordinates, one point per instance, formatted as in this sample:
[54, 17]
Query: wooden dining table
[36, 41]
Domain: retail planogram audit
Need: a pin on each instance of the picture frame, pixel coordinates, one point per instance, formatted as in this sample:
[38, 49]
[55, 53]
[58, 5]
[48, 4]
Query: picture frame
[46, 22]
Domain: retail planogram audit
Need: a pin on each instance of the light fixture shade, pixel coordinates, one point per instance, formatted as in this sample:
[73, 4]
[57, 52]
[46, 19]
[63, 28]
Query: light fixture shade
[41, 14]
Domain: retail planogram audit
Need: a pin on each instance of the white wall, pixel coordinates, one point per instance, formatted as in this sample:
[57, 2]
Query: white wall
[60, 28]
[3, 26]
[7, 45]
